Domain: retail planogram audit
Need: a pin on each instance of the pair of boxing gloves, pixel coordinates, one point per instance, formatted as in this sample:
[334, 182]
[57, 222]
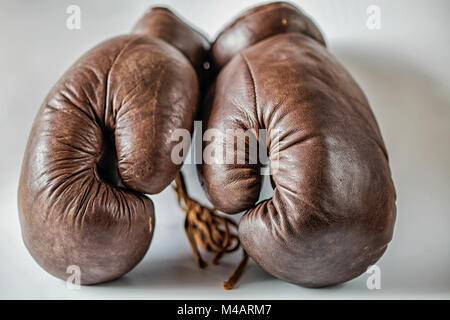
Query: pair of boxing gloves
[102, 139]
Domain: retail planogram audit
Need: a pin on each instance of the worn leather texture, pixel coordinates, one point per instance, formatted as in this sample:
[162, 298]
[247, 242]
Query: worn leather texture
[333, 208]
[101, 139]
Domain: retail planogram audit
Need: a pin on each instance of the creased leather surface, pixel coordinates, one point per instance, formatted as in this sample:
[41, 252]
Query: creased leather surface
[333, 209]
[100, 140]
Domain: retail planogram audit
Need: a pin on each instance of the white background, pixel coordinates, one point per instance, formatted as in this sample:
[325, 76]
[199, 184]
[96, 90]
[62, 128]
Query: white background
[403, 68]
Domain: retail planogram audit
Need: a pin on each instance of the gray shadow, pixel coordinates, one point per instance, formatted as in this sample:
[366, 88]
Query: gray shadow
[181, 272]
[413, 111]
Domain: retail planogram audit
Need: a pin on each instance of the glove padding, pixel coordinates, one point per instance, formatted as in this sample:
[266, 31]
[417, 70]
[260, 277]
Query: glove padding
[102, 139]
[333, 207]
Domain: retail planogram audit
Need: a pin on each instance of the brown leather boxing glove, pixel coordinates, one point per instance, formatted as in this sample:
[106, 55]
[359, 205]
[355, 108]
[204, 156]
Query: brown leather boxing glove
[102, 139]
[333, 208]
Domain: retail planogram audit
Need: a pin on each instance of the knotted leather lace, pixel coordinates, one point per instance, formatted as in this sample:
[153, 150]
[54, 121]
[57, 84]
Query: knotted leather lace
[212, 232]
